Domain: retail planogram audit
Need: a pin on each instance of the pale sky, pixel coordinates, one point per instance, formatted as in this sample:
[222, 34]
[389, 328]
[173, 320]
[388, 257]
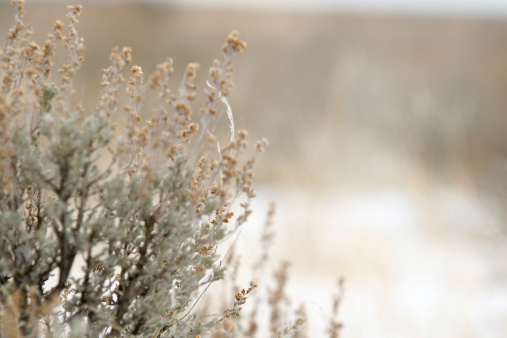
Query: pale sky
[464, 7]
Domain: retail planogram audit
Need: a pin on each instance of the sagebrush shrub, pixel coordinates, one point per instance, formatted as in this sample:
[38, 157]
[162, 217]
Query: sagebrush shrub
[146, 226]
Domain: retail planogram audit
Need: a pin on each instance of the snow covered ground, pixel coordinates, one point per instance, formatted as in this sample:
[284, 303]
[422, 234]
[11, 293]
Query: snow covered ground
[429, 263]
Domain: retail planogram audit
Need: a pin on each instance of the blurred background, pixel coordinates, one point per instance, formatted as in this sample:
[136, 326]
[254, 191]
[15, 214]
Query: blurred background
[387, 123]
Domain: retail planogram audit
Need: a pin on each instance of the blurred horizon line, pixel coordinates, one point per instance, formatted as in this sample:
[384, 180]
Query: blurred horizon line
[428, 8]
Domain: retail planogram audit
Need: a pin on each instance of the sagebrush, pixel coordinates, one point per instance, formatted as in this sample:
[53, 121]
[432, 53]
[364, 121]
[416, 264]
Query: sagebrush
[143, 230]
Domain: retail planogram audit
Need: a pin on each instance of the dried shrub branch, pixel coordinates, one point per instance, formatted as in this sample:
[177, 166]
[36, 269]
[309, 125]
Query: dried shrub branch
[145, 229]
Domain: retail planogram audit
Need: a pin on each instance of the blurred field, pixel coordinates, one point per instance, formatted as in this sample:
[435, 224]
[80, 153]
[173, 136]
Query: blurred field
[388, 149]
[342, 98]
[415, 264]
